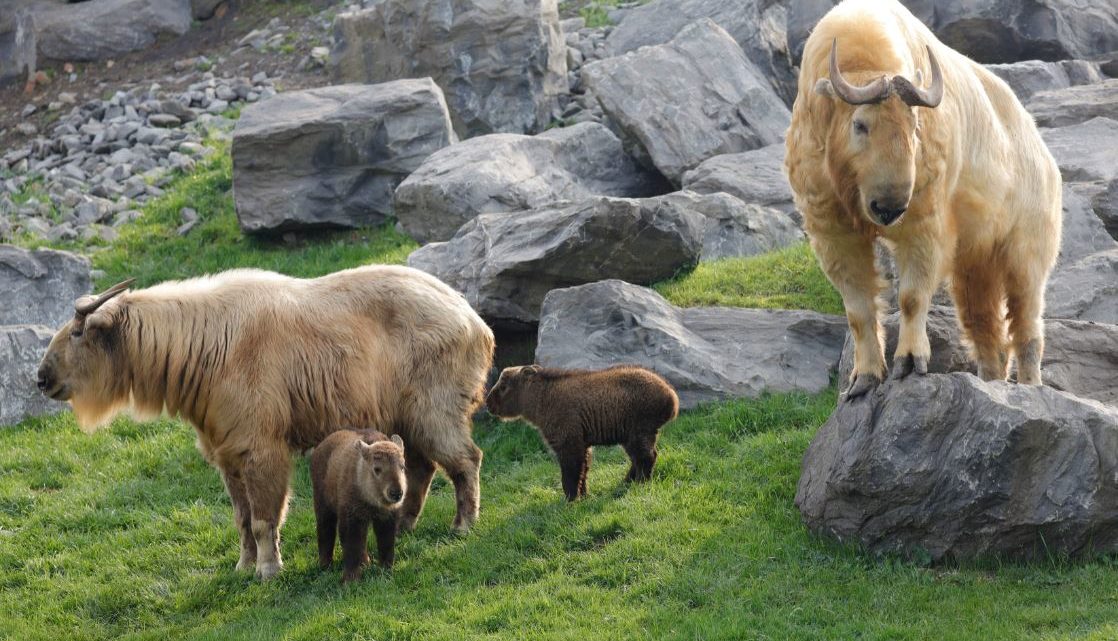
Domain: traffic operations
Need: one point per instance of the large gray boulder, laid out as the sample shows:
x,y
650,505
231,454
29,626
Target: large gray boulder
x,y
1085,290
707,354
945,466
734,228
333,156
755,176
758,26
40,286
1030,77
107,28
1080,357
672,102
1083,231
502,64
506,263
513,172
997,31
21,349
18,47
1105,204
1073,105
1085,152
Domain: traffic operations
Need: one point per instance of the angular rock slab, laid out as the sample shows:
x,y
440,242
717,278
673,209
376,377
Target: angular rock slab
x,y
1030,77
999,31
949,467
1080,357
759,27
107,28
1085,290
1085,152
506,263
708,354
755,176
333,156
1073,105
39,287
501,63
679,107
512,172
734,228
21,349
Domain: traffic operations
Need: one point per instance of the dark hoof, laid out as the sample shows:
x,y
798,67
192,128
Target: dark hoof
x,y
907,364
863,383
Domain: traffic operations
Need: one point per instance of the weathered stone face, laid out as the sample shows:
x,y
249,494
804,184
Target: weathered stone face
x,y
950,467
707,354
39,287
333,157
21,349
501,63
108,28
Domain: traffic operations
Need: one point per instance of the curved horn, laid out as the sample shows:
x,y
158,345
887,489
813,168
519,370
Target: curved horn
x,y
914,96
875,92
85,309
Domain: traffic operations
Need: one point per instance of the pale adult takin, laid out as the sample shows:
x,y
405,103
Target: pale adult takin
x,y
950,173
264,365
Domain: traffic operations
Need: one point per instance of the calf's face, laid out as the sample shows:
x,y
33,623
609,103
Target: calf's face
x,y
380,472
505,400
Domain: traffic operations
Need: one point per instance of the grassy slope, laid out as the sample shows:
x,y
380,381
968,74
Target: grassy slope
x,y
127,533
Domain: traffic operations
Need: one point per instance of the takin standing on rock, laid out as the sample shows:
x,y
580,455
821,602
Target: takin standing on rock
x,y
575,410
263,365
358,478
954,177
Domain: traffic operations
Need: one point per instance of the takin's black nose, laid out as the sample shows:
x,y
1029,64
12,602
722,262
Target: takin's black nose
x,y
395,495
887,212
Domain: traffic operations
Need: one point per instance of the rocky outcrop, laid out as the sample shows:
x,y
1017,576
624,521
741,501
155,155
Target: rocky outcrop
x,y
1086,289
1030,77
755,176
502,65
40,286
945,466
1073,105
673,104
734,228
1085,152
108,28
333,157
707,354
21,349
506,263
514,172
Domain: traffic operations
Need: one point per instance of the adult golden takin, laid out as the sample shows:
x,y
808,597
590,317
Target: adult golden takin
x,y
951,174
263,365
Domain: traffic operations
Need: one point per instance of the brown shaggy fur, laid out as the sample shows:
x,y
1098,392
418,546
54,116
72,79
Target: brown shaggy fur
x,y
574,410
263,365
358,479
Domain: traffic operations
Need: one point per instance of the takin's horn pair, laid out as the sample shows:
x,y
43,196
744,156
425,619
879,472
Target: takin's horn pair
x,y
81,310
879,89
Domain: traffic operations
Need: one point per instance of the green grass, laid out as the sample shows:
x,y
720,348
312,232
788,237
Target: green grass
x,y
787,279
128,534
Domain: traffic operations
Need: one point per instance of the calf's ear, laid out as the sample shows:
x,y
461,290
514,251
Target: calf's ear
x,y
398,441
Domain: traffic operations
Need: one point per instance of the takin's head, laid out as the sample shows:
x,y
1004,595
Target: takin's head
x,y
875,143
380,474
81,364
507,399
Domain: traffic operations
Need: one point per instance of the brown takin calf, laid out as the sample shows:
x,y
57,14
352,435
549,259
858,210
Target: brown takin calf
x,y
263,365
575,410
358,479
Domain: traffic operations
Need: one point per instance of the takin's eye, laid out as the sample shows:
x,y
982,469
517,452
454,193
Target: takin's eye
x,y
861,128
377,469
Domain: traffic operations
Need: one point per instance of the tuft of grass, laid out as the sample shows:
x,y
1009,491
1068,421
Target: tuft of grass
x,y
785,279
151,250
127,533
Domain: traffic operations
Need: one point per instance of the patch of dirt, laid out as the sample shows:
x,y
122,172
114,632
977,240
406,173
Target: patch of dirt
x,y
307,23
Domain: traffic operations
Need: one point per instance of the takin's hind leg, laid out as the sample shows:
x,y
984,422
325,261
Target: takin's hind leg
x,y
980,300
1025,306
420,471
242,515
267,474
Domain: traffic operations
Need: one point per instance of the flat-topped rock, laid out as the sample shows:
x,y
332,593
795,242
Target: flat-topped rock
x,y
39,287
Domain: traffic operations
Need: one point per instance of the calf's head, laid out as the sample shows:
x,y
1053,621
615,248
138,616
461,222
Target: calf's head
x,y
82,363
380,472
507,398
873,142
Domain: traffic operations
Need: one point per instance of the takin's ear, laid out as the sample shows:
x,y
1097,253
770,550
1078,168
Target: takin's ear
x,y
824,88
531,370
398,441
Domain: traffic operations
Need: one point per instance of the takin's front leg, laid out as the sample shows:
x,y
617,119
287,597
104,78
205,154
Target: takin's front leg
x,y
847,258
919,267
267,474
242,515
